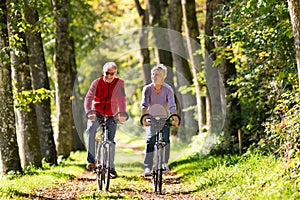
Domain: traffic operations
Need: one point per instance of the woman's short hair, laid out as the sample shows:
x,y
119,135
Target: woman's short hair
x,y
160,67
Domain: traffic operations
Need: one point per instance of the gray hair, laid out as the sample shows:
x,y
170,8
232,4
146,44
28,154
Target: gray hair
x,y
160,67
109,65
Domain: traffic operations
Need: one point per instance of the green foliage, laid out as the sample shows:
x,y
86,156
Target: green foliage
x,y
283,128
259,41
24,98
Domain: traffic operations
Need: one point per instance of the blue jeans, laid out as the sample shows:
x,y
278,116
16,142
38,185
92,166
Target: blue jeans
x,y
91,130
148,159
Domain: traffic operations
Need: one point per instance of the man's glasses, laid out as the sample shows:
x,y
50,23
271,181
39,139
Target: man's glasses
x,y
109,73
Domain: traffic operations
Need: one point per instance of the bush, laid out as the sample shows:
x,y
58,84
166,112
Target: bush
x,y
283,128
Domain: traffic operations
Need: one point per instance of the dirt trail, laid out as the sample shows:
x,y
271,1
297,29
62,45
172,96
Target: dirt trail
x,y
85,184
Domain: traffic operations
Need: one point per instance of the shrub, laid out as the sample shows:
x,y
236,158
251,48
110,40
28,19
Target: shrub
x,y
283,129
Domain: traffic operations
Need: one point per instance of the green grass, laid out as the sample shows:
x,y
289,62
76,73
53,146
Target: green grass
x,y
251,176
16,186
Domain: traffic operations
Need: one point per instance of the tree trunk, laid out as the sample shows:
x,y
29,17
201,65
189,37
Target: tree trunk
x,y
77,139
157,18
27,121
40,80
9,151
294,8
62,75
143,41
193,45
183,73
215,89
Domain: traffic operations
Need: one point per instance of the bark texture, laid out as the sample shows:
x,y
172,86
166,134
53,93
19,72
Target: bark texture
x,y
9,150
28,137
183,72
77,138
40,80
62,73
215,89
193,45
143,41
157,18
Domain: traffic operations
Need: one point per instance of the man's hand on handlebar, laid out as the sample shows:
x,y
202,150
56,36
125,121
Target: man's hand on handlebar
x,y
122,119
92,117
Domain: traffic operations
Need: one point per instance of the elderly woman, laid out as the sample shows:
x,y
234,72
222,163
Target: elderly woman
x,y
157,92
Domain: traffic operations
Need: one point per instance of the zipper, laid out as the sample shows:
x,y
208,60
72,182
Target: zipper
x,y
108,96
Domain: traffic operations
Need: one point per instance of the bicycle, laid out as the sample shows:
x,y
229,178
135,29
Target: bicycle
x,y
158,120
103,148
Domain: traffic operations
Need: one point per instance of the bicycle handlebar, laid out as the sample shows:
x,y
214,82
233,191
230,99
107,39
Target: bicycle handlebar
x,y
168,123
102,116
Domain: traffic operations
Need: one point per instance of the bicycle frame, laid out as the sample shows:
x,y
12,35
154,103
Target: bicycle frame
x,y
104,149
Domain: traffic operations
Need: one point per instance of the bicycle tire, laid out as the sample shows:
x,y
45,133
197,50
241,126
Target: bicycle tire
x,y
159,170
105,175
102,172
159,181
98,168
154,181
98,177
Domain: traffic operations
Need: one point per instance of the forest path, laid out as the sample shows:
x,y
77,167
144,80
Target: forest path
x,y
130,184
84,187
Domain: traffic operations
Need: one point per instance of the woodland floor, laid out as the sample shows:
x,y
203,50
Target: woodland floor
x,y
84,186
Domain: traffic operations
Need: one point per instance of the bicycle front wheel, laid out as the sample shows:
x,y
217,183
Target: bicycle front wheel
x,y
159,170
154,181
98,167
105,175
159,181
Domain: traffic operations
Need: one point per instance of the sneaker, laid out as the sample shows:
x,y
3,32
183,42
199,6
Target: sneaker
x,y
113,174
166,168
90,166
147,172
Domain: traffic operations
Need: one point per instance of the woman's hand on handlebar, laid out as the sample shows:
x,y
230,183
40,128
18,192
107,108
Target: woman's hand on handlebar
x,y
175,121
145,122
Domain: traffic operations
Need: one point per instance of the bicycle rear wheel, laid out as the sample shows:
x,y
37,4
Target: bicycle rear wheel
x,y
105,175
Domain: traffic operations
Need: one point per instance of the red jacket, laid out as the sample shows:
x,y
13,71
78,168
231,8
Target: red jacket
x,y
107,98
